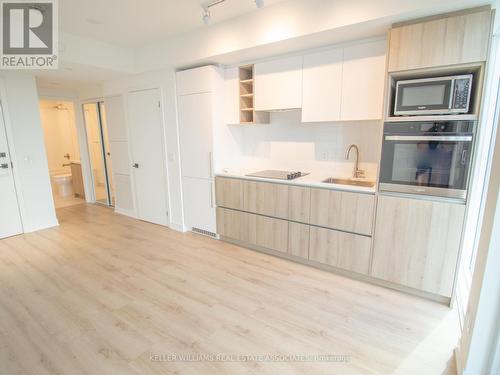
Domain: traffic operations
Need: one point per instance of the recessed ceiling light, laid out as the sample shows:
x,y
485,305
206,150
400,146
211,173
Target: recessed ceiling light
x,y
93,21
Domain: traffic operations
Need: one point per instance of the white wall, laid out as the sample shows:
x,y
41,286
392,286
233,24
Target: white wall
x,y
286,143
20,98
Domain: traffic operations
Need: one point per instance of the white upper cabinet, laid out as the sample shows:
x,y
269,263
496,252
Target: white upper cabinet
x,y
322,86
363,81
195,81
278,84
231,96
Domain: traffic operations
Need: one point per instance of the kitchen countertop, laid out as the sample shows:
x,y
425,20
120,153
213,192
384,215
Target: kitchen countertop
x,y
313,179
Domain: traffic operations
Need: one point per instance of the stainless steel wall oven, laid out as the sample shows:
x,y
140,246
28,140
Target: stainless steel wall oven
x,y
428,157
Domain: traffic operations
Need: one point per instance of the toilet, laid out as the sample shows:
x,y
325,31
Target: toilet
x,y
63,184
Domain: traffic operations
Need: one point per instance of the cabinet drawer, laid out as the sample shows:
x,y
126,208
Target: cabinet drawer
x,y
339,249
298,240
352,212
265,198
229,192
253,229
299,203
272,233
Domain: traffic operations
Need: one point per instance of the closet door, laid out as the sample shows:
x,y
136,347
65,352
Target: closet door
x,y
119,150
148,157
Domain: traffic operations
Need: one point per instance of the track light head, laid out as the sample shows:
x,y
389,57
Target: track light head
x,y
206,16
259,3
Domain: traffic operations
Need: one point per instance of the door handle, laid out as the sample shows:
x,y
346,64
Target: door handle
x,y
4,166
464,157
135,165
211,196
210,167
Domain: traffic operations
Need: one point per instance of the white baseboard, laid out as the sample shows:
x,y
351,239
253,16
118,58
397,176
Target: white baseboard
x,y
125,212
51,224
177,227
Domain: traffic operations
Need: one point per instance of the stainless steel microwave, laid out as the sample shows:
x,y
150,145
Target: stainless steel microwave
x,y
432,96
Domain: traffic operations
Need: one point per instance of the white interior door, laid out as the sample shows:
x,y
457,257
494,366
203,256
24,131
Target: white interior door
x,y
10,218
148,160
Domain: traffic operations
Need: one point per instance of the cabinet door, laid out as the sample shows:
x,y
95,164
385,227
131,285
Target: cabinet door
x,y
417,243
278,84
339,249
229,192
231,96
363,81
195,130
197,80
199,207
446,41
266,198
352,212
298,240
299,203
322,86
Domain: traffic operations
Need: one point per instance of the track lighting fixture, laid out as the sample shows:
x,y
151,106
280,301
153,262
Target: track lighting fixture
x,y
206,8
206,16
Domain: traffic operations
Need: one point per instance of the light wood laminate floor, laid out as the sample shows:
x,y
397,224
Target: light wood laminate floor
x,y
107,294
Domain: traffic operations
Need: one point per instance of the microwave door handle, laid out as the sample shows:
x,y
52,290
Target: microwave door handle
x,y
452,93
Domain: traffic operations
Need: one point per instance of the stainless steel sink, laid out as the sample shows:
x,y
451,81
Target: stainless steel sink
x,y
350,181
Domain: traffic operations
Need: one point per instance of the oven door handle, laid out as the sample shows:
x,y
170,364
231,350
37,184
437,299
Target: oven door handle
x,y
443,138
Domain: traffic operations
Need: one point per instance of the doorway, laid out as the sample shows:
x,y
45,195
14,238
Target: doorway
x,y
100,160
63,152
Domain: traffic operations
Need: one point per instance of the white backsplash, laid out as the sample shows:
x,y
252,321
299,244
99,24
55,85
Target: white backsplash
x,y
288,144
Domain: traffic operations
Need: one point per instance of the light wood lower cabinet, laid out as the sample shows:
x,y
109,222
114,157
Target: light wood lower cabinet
x,y
340,249
298,240
351,212
299,203
417,243
266,198
229,192
253,229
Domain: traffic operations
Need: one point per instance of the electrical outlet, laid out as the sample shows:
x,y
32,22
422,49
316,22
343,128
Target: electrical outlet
x,y
325,156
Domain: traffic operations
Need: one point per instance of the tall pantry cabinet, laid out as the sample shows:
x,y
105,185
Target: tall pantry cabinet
x,y
198,110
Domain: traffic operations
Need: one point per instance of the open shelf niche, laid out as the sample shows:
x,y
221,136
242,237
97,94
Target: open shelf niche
x,y
248,115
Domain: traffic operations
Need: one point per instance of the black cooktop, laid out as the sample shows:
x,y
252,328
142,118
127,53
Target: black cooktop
x,y
278,175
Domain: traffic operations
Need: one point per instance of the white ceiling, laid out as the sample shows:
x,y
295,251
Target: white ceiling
x,y
132,23
74,76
